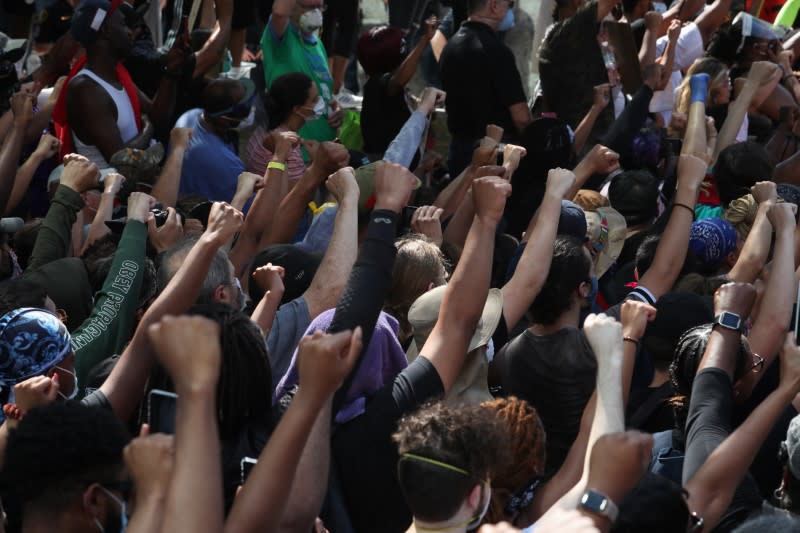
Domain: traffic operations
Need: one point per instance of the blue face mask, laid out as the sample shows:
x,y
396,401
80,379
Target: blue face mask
x,y
508,21
123,513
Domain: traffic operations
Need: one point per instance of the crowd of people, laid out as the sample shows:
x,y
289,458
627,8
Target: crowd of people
x,y
250,282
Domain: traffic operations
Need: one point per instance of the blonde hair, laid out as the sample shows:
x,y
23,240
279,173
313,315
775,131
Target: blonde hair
x,y
590,200
419,263
715,68
741,213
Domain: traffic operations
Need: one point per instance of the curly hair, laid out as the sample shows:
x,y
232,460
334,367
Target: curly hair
x,y
717,71
85,443
469,438
526,448
419,263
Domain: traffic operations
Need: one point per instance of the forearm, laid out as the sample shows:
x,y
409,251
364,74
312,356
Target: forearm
x,y
168,184
534,265
264,313
53,239
770,329
57,61
452,197
292,207
260,218
330,279
584,128
160,112
213,50
408,67
98,228
362,299
674,243
40,122
23,180
457,229
622,131
756,247
309,486
406,143
628,363
260,505
125,386
736,113
782,145
713,485
647,53
149,512
194,501
9,159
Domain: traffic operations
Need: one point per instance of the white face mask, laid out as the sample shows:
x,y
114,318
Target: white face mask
x,y
74,392
476,521
317,111
311,21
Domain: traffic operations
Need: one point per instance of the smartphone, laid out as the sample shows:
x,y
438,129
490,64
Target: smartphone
x,y
247,465
161,411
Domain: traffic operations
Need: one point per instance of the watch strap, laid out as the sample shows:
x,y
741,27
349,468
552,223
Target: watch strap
x,y
607,508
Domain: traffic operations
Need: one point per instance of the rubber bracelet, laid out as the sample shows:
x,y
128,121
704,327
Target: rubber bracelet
x,y
631,339
277,165
678,204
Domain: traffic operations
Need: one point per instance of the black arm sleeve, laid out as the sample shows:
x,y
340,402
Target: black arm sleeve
x,y
619,136
363,296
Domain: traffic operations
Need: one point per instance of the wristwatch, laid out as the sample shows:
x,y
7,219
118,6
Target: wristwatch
x,y
728,320
598,503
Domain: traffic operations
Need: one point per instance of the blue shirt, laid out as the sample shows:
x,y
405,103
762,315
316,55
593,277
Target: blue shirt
x,y
211,167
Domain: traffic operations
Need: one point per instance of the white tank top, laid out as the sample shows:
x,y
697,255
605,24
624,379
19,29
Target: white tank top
x,y
126,121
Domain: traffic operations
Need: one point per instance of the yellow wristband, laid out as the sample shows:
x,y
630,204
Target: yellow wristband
x,y
277,165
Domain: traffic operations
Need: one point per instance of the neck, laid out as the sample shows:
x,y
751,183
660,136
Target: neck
x,y
485,19
568,319
454,525
103,63
566,12
45,523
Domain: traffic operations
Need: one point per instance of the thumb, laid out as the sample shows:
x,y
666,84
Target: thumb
x,y
354,348
145,430
151,223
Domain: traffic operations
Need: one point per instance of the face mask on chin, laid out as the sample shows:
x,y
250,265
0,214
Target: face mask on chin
x,y
311,21
508,21
476,521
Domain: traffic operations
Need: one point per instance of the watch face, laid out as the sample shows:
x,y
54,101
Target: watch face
x,y
729,320
594,502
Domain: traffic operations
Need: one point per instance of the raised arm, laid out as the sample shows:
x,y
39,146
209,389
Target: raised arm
x,y
674,243
711,18
188,349
403,74
149,460
713,467
760,72
329,158
756,247
214,48
168,184
48,147
111,187
531,273
22,109
262,212
601,99
329,280
652,24
125,385
54,238
772,323
324,361
634,315
599,160
279,21
465,296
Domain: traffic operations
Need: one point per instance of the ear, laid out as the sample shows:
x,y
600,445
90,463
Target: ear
x,y
220,294
636,274
584,289
731,258
93,502
474,499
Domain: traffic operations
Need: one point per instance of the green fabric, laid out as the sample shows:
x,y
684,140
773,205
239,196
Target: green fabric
x,y
55,235
108,329
292,53
707,211
350,134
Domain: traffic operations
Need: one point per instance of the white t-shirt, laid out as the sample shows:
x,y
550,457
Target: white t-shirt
x,y
689,49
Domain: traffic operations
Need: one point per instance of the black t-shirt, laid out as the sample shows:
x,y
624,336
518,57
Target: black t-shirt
x,y
556,374
570,65
382,114
649,410
481,80
367,458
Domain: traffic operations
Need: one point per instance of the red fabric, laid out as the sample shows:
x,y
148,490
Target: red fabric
x,y
769,9
60,124
709,195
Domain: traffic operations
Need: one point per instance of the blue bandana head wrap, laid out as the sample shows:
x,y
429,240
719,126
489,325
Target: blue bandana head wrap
x,y
712,239
32,341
